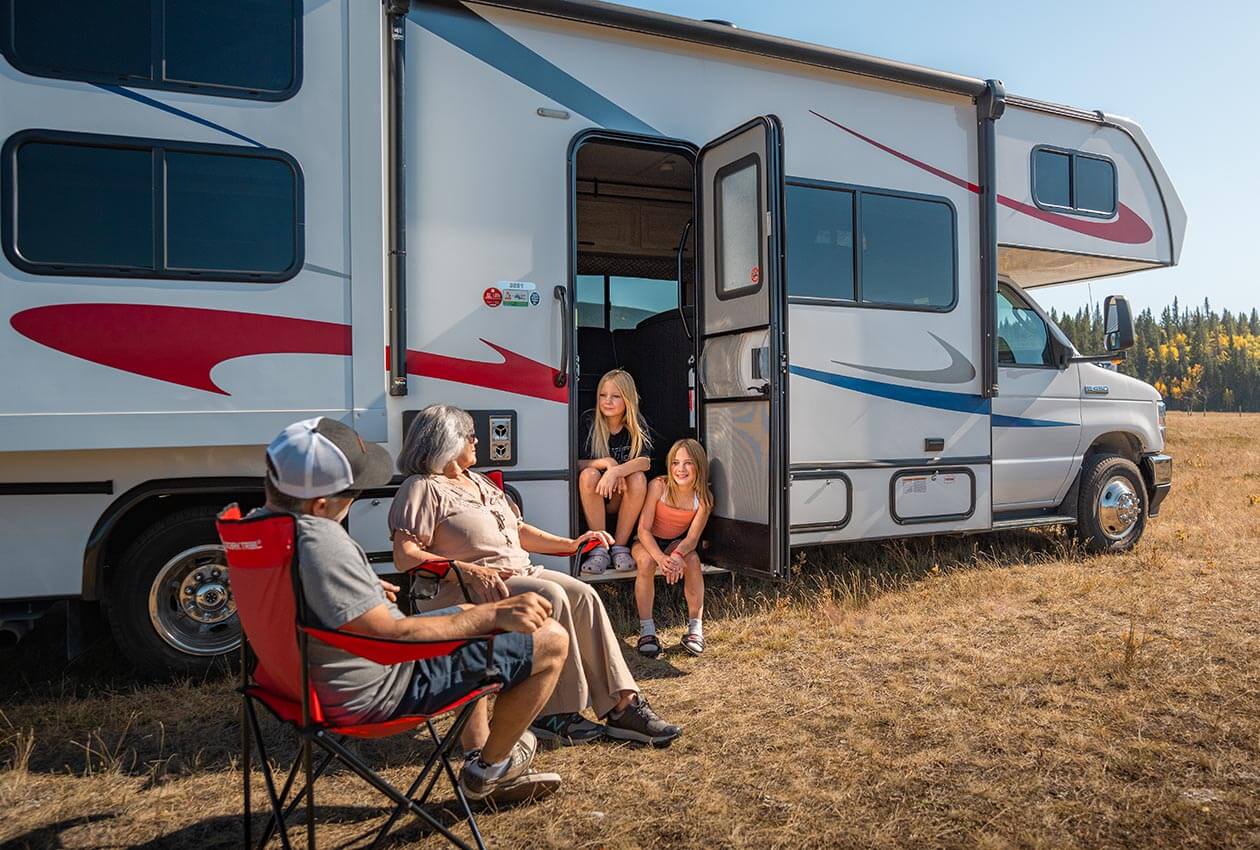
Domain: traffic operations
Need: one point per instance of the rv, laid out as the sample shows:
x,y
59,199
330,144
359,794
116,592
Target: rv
x,y
219,218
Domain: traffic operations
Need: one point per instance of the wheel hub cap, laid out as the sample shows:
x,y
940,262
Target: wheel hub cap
x,y
1119,508
191,605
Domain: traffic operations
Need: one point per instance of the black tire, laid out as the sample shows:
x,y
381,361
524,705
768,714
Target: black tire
x,y
183,545
1097,528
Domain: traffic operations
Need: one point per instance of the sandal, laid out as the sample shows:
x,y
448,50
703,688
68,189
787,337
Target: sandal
x,y
693,643
649,645
597,561
622,560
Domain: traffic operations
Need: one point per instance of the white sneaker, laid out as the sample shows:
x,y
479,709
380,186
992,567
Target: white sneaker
x,y
516,783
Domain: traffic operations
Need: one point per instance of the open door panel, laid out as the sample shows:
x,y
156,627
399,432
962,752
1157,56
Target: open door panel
x,y
742,346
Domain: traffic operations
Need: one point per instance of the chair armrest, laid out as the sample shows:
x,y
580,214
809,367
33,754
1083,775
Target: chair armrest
x,y
436,570
586,547
388,651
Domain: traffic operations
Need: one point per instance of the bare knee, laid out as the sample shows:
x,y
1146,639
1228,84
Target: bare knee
x,y
551,645
588,478
643,559
636,483
691,561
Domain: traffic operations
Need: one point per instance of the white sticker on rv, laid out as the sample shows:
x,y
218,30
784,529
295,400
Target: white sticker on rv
x,y
519,293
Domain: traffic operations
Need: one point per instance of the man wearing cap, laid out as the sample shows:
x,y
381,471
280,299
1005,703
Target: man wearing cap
x,y
315,469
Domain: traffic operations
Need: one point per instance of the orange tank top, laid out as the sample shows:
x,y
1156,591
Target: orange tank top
x,y
669,522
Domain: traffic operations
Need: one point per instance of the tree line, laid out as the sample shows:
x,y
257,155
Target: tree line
x,y
1198,359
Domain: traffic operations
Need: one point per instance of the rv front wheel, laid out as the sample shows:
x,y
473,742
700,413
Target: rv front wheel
x,y
169,604
1111,514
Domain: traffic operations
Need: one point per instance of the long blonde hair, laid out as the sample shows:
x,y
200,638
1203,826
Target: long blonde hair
x,y
701,460
640,442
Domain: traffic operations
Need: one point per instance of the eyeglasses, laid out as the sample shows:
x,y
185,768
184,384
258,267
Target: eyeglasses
x,y
471,436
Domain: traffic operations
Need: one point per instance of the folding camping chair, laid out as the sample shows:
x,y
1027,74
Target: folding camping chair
x,y
267,587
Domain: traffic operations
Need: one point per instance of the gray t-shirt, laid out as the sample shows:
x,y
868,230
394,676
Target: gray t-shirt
x,y
339,585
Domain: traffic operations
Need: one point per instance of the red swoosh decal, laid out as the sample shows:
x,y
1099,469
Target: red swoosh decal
x,y
181,345
1128,227
516,374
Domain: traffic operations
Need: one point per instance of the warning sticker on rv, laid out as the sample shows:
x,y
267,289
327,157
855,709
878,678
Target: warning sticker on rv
x,y
516,293
493,296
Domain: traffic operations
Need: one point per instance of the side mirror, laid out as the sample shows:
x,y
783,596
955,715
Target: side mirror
x,y
1117,323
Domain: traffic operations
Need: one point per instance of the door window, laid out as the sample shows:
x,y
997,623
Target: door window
x,y
1023,338
739,238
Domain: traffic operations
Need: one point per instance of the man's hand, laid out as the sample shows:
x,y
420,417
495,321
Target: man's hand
x,y
391,590
485,584
525,613
603,537
609,483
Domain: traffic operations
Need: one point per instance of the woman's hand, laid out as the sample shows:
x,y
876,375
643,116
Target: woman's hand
x,y
604,538
609,483
485,584
672,567
391,590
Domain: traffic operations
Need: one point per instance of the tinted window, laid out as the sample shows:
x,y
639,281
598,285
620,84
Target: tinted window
x,y
246,44
635,298
590,300
738,227
1023,339
81,206
1094,181
820,242
96,39
1074,181
907,251
229,212
240,48
1052,180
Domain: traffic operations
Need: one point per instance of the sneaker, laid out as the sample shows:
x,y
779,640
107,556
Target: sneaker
x,y
640,723
564,730
596,561
516,783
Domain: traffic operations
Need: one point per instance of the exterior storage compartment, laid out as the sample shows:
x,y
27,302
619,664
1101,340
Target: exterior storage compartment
x,y
932,495
820,500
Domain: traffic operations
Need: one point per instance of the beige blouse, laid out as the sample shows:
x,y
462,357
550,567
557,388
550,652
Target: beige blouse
x,y
447,520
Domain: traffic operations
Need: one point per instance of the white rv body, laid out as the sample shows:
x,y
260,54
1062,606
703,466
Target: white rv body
x,y
101,429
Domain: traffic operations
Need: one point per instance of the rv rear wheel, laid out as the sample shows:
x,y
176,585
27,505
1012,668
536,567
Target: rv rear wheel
x,y
1111,513
169,604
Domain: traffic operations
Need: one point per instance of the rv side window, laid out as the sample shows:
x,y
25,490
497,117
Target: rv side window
x,y
236,48
1023,338
739,227
633,299
117,207
904,255
590,301
820,242
1073,181
907,257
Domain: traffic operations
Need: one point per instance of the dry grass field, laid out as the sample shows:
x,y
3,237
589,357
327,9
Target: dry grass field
x,y
988,692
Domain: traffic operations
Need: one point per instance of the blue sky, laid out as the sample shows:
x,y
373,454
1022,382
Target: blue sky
x,y
1185,71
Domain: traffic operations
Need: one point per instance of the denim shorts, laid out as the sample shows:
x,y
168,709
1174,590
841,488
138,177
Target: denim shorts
x,y
438,682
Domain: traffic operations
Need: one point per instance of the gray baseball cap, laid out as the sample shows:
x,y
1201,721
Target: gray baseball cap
x,y
322,457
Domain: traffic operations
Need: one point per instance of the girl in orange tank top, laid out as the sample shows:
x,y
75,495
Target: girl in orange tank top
x,y
674,515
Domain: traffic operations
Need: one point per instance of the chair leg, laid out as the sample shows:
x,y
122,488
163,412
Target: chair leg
x,y
246,747
369,776
310,793
291,803
268,779
441,746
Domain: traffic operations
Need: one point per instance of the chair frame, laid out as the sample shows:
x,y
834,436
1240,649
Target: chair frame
x,y
325,736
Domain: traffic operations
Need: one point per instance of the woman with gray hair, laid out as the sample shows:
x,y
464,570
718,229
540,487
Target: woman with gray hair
x,y
444,510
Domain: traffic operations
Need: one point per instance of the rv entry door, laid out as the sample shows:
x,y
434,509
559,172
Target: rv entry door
x,y
742,346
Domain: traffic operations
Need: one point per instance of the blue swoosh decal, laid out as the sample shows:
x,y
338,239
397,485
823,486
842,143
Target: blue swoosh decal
x,y
157,104
473,34
938,399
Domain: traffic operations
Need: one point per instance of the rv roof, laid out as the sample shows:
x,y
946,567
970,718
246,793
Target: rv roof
x,y
704,32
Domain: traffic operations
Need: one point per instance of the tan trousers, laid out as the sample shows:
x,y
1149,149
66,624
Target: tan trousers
x,y
595,673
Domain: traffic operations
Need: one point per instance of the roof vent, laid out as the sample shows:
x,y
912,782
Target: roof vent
x,y
720,23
